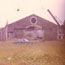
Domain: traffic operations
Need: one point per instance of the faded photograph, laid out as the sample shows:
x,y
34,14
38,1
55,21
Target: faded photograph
x,y
32,32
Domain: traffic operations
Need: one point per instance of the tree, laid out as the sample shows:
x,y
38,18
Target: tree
x,y
64,28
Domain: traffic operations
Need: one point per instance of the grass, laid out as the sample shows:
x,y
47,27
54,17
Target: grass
x,y
43,53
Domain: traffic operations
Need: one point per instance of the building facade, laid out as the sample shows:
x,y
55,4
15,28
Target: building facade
x,y
33,27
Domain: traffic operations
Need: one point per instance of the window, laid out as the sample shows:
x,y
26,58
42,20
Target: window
x,y
60,34
33,20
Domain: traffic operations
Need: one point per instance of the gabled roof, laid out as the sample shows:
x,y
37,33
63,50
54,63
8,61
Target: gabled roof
x,y
22,23
31,16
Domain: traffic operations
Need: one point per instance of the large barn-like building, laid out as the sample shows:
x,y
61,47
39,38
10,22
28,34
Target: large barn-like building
x,y
33,27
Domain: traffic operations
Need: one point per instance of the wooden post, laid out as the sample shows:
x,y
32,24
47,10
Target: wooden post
x,y
6,31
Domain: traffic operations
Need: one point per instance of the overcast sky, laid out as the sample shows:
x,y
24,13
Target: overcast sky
x,y
8,9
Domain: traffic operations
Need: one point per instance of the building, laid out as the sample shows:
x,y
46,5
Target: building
x,y
33,27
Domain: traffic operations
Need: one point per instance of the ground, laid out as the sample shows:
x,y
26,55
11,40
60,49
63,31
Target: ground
x,y
41,53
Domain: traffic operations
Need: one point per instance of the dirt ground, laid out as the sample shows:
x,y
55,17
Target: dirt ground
x,y
41,53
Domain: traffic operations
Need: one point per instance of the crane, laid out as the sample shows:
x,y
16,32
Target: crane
x,y
60,28
53,17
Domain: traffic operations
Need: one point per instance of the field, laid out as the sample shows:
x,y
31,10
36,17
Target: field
x,y
41,53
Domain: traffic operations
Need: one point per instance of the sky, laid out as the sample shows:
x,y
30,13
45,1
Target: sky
x,y
8,10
